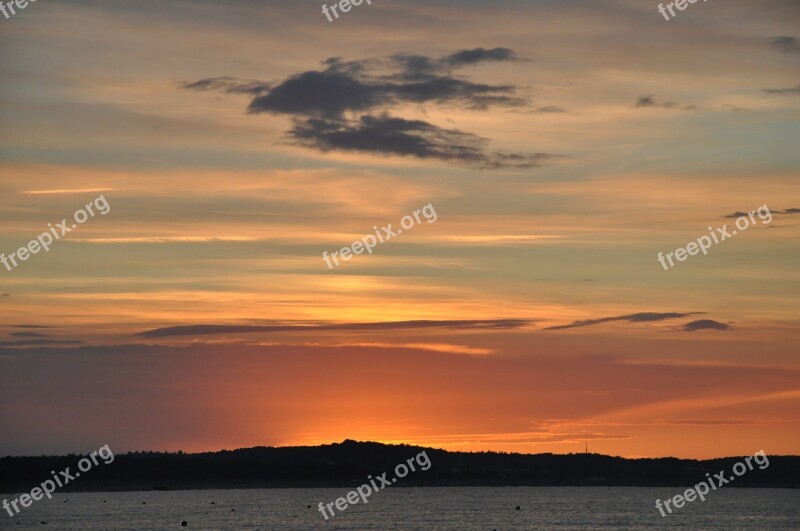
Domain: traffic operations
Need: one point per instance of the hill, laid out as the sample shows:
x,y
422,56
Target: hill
x,y
349,463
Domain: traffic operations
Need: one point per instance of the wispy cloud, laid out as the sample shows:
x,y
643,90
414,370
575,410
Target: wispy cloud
x,y
66,191
433,347
739,214
37,343
786,44
192,330
168,239
650,101
229,85
500,238
643,317
784,91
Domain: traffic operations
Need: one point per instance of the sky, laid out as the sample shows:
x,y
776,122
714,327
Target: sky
x,y
554,148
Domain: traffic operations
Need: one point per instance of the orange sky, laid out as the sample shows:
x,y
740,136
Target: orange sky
x,y
563,144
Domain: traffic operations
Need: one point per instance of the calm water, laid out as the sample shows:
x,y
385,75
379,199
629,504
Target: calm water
x,y
413,508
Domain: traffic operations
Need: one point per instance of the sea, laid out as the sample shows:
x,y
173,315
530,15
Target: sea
x,y
458,508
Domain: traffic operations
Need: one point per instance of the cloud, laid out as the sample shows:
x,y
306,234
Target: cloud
x,y
786,44
327,93
791,90
168,239
646,101
228,85
496,324
499,239
36,343
447,348
739,214
345,106
705,324
361,85
477,55
76,191
734,108
433,347
27,334
641,317
389,135
416,67
650,101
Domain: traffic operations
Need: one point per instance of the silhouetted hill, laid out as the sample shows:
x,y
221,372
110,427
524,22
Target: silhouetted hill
x,y
348,464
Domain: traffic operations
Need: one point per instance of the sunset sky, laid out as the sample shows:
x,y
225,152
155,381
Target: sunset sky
x,y
563,145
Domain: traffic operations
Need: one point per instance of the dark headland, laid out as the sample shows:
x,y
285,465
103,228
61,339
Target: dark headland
x,y
348,463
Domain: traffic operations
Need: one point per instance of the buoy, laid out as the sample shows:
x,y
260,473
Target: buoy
x,y
183,523
518,507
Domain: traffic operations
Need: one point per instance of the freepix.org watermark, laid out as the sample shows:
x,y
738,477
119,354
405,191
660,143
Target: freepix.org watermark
x,y
679,4
45,239
9,6
59,480
344,7
701,489
719,235
386,233
365,491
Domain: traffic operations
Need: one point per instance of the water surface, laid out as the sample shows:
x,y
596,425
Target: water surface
x,y
413,508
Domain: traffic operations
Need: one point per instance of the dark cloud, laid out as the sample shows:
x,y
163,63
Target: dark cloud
x,y
738,214
396,136
327,93
27,334
444,89
346,106
786,44
791,90
650,101
646,101
543,110
497,324
348,86
705,324
229,85
641,317
414,67
30,326
477,55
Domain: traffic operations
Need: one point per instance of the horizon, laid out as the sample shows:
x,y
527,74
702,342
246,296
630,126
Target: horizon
x,y
556,223
335,443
